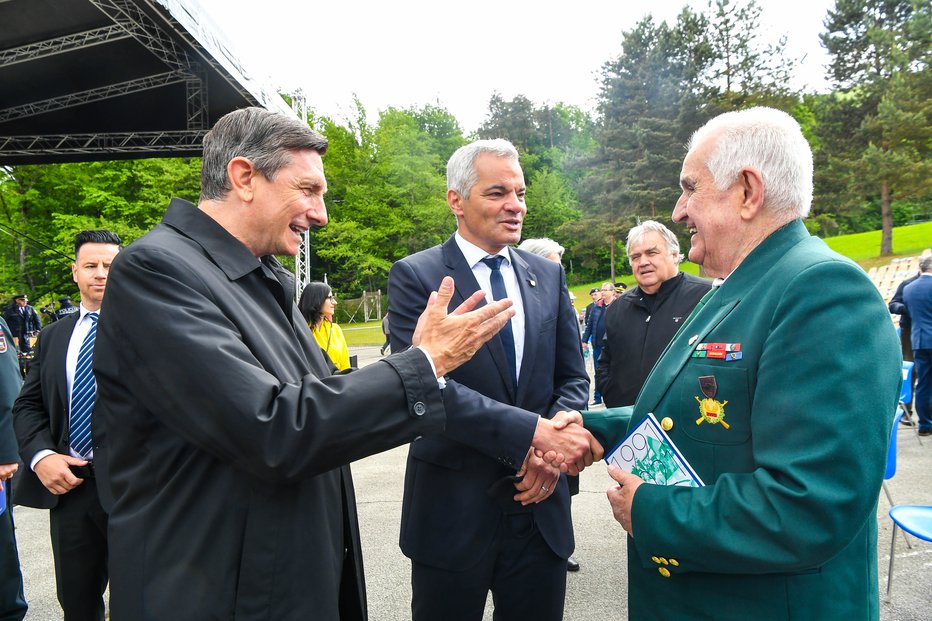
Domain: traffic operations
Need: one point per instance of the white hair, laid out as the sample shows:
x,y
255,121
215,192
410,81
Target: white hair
x,y
768,140
637,234
543,246
461,168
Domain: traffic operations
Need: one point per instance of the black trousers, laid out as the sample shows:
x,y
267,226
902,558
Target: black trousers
x,y
527,580
78,526
12,602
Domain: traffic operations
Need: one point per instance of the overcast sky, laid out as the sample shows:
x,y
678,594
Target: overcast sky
x,y
413,52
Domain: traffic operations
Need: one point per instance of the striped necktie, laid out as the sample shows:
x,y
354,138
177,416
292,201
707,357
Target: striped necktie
x,y
83,393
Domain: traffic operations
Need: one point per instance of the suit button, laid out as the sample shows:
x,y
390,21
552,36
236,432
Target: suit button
x,y
664,572
419,408
418,438
667,423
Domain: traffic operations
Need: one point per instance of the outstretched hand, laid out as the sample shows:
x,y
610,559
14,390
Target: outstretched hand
x,y
451,339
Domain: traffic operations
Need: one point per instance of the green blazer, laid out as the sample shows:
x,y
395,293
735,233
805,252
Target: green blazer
x,y
785,527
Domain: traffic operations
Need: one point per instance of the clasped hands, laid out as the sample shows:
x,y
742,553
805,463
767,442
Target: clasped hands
x,y
560,444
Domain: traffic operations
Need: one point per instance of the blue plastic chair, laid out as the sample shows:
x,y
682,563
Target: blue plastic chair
x,y
906,392
906,396
891,456
913,519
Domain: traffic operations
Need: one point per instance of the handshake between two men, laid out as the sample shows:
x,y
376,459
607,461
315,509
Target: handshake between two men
x,y
560,444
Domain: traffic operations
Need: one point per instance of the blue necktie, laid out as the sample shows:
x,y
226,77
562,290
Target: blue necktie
x,y
83,392
499,293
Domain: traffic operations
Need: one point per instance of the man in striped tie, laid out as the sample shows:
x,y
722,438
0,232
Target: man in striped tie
x,y
52,418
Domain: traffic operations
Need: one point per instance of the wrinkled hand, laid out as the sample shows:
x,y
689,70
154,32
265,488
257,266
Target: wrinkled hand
x,y
539,482
452,339
54,474
566,444
6,472
621,496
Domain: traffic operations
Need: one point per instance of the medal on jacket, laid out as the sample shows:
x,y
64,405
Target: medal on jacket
x,y
712,411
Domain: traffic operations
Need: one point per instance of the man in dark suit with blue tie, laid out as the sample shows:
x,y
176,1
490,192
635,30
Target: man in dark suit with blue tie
x,y
917,296
52,418
481,511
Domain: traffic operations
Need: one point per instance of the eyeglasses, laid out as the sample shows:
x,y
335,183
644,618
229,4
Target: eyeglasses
x,y
332,298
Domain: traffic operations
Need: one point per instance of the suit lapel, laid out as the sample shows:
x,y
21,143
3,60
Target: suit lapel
x,y
533,318
58,352
465,284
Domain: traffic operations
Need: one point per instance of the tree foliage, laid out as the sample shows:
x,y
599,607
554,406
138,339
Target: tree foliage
x,y
590,176
876,124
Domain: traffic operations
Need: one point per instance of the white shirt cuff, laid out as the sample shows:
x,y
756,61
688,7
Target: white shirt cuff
x,y
441,382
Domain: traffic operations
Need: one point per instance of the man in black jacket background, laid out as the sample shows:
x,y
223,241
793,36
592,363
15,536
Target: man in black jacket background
x,y
641,322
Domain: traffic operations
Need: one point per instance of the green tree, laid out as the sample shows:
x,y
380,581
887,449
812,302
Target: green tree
x,y
43,206
387,194
648,107
880,53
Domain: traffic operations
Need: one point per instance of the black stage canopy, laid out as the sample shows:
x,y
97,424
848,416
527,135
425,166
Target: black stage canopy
x,y
88,80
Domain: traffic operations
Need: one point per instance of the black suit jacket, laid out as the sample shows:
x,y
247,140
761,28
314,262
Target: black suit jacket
x,y
456,485
226,436
40,414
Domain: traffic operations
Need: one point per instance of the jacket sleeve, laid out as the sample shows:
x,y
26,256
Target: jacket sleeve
x,y
170,354
10,383
30,412
570,378
587,333
896,305
501,431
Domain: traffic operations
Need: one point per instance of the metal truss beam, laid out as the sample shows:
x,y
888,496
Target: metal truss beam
x,y
102,143
141,27
196,98
95,94
61,45
127,15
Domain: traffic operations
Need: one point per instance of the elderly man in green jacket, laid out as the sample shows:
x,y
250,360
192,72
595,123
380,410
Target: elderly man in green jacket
x,y
779,390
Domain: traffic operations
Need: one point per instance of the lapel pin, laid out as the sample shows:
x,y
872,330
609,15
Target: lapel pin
x,y
693,338
531,282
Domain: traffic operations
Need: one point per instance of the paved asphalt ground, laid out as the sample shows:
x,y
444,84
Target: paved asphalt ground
x,y
596,593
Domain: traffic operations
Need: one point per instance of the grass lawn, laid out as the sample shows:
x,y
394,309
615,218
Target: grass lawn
x,y
369,333
864,247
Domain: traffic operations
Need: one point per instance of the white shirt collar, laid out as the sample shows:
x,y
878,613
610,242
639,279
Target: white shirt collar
x,y
83,313
474,253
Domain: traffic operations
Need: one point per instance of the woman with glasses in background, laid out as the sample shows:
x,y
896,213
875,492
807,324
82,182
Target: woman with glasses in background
x,y
317,305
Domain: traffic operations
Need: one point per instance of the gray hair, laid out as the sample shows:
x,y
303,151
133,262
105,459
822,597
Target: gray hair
x,y
461,168
543,246
265,138
925,264
770,141
636,235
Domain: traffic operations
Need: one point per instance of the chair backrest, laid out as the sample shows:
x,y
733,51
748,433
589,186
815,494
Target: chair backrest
x,y
891,450
906,392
